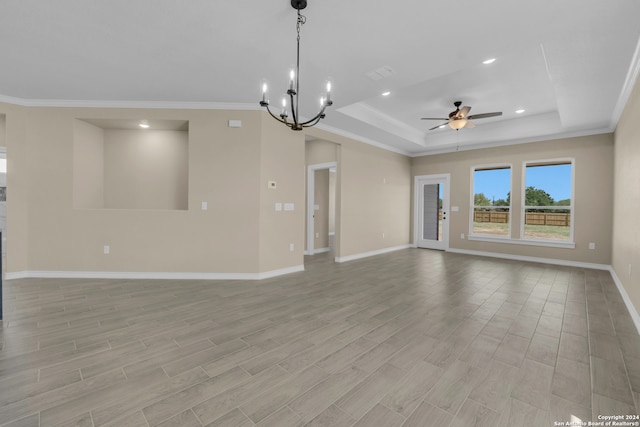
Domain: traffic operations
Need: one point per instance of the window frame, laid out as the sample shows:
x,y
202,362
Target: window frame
x,y
570,243
488,237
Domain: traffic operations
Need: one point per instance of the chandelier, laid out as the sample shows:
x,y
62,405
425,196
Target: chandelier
x,y
294,87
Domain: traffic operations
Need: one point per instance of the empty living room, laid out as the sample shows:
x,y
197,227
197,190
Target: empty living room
x,y
312,213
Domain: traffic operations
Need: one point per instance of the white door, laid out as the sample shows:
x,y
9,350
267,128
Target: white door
x,y
432,212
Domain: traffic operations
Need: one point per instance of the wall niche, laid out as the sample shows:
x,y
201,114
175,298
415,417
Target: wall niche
x,y
118,165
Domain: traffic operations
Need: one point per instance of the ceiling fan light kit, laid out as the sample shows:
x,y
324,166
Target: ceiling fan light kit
x,y
459,119
458,124
294,87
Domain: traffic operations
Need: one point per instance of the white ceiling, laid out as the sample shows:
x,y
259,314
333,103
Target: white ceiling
x,y
569,63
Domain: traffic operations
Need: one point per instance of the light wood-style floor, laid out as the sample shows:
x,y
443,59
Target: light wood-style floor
x,y
411,338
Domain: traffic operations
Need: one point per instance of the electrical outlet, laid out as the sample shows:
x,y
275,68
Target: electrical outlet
x,y
291,247
106,249
317,235
462,236
383,235
592,245
205,206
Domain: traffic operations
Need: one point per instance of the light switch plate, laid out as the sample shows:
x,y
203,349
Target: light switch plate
x,y
288,206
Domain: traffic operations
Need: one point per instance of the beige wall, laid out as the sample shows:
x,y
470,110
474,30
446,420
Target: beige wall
x,y
593,193
146,169
626,203
52,228
372,196
88,166
320,151
241,232
282,160
227,167
3,130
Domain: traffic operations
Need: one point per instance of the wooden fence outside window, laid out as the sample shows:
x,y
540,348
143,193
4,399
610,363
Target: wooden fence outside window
x,y
530,218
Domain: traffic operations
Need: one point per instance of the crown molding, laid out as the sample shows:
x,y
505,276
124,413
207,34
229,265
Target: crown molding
x,y
362,139
627,87
167,105
506,143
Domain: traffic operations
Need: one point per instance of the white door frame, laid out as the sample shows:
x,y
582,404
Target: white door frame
x,y
311,190
417,197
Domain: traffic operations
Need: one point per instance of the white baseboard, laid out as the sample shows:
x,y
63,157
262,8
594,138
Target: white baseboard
x,y
627,301
320,250
54,274
553,261
372,253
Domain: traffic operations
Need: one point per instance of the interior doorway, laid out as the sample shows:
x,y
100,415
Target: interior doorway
x,y
431,201
321,208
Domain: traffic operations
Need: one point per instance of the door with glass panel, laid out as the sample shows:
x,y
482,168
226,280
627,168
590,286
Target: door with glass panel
x,y
431,222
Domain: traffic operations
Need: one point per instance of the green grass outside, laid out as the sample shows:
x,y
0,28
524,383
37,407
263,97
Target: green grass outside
x,y
550,232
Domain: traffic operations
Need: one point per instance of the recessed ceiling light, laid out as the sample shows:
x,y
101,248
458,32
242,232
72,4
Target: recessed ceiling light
x,y
387,93
489,61
520,111
144,125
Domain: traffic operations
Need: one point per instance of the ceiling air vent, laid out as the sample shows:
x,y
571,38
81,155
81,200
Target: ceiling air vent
x,y
381,73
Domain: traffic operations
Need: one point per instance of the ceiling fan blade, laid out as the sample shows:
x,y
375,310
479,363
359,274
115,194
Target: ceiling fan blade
x,y
439,126
464,111
469,125
485,115
433,118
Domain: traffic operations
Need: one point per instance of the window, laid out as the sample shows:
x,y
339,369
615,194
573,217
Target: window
x,y
548,201
491,202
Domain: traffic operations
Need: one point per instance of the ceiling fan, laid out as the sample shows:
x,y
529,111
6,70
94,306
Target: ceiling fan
x,y
458,119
